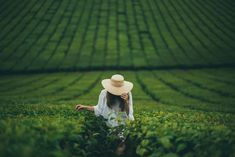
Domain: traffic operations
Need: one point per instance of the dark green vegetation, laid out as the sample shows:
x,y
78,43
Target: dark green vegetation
x,y
88,34
180,55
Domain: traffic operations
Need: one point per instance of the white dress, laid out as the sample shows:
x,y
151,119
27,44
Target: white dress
x,y
114,116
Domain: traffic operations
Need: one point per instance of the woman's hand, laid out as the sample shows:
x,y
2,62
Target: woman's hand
x,y
80,107
125,97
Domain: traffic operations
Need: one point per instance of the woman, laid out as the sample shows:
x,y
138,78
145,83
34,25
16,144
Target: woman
x,y
115,104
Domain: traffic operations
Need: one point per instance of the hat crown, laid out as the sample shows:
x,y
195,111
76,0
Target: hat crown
x,y
117,80
117,77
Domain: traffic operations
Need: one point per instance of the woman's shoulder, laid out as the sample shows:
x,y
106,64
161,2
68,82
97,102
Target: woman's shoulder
x,y
103,92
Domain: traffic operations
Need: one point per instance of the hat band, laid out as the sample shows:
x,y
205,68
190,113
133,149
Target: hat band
x,y
117,83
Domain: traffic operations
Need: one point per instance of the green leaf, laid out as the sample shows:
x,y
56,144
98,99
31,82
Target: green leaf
x,y
165,141
171,155
181,147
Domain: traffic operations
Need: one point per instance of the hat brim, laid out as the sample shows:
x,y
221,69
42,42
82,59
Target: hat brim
x,y
127,87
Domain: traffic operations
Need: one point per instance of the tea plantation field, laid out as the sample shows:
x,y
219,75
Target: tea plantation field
x,y
180,55
50,35
177,112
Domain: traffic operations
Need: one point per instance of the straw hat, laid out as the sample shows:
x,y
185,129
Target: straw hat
x,y
117,85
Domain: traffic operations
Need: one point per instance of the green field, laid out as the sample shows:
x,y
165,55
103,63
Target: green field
x,y
180,55
90,34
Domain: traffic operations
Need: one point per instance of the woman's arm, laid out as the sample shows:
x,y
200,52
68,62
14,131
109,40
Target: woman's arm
x,y
97,109
128,104
82,107
125,97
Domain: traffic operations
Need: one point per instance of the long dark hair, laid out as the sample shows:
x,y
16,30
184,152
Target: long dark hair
x,y
111,100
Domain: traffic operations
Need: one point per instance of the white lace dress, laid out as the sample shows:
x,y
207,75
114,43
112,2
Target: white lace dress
x,y
114,116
